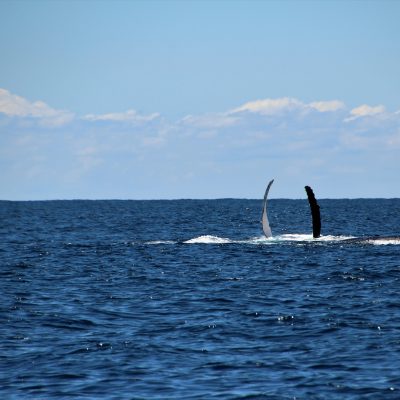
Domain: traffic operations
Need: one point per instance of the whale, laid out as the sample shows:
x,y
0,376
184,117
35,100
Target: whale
x,y
316,220
316,223
264,216
315,212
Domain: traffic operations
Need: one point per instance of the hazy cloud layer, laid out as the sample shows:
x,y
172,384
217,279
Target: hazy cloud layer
x,y
17,106
286,104
127,116
227,154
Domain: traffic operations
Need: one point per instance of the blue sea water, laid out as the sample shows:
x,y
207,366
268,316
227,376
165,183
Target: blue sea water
x,y
185,299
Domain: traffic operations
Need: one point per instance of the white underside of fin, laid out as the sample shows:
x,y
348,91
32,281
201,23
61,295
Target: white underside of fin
x,y
264,219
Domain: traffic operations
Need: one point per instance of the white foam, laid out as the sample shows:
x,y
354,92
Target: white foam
x,y
160,242
301,237
262,240
333,238
288,238
259,240
294,237
209,239
383,242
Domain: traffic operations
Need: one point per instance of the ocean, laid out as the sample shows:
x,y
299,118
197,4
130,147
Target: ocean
x,y
185,299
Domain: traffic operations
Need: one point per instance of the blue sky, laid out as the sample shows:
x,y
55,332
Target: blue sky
x,y
201,99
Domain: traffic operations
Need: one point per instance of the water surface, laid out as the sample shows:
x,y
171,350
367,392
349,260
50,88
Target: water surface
x,y
185,299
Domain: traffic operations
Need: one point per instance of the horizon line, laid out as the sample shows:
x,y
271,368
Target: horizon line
x,y
196,199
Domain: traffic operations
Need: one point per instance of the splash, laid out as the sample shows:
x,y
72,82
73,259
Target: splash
x,y
298,238
384,242
262,240
209,239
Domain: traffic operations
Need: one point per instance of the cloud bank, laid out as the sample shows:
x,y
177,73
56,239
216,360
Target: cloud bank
x,y
344,151
365,111
17,106
287,104
127,116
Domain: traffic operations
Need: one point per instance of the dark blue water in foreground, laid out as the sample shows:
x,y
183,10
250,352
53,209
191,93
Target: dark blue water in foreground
x,y
186,300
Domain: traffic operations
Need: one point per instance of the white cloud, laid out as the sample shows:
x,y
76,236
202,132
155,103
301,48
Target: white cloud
x,y
327,106
127,116
365,111
17,106
209,120
284,137
269,106
287,104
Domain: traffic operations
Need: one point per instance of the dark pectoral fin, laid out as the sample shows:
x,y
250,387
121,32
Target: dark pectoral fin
x,y
315,212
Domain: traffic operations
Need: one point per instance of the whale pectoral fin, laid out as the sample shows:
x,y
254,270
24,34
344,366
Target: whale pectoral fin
x,y
315,212
264,217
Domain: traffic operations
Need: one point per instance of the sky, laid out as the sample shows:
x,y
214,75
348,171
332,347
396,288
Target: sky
x,y
199,99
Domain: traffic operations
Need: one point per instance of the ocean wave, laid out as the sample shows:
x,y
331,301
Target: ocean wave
x,y
293,237
160,242
299,237
279,239
209,239
384,242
